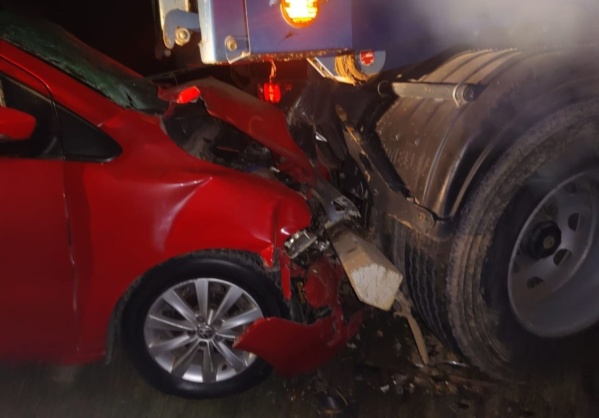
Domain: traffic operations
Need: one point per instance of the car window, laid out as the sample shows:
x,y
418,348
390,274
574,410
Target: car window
x,y
58,133
44,141
82,141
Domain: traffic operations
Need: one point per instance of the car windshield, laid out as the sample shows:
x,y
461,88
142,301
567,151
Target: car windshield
x,y
54,45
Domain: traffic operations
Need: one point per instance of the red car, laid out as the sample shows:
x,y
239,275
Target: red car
x,y
167,218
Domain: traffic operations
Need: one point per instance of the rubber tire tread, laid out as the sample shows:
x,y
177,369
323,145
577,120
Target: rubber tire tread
x,y
435,271
424,279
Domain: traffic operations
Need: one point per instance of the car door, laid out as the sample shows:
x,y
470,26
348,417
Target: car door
x,y
37,305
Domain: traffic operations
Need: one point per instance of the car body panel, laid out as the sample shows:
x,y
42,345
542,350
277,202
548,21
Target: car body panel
x,y
88,103
37,298
191,212
293,348
152,203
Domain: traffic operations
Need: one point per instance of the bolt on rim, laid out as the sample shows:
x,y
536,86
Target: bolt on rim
x,y
190,330
553,281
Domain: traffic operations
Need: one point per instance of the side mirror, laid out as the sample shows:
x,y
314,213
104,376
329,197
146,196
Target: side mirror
x,y
15,125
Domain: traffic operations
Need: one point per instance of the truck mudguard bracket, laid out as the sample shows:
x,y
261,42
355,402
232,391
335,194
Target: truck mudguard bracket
x,y
388,193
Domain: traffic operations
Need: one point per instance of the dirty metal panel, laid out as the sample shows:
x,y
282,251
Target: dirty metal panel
x,y
269,32
374,278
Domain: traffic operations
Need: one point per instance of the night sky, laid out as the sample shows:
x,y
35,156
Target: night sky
x,y
122,29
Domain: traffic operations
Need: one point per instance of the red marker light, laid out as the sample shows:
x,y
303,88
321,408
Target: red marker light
x,y
188,95
367,58
271,92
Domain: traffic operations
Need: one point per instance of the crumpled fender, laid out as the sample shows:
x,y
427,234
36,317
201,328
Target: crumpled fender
x,y
271,214
262,121
293,348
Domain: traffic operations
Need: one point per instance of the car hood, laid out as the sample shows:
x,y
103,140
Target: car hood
x,y
262,121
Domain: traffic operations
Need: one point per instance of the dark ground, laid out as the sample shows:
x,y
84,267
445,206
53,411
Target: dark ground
x,y
375,376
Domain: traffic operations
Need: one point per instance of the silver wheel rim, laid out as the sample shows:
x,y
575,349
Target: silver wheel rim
x,y
553,279
190,329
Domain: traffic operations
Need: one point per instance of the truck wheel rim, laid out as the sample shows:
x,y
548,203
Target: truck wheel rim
x,y
553,279
190,330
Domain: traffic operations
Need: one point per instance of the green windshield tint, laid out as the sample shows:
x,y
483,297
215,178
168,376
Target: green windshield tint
x,y
54,45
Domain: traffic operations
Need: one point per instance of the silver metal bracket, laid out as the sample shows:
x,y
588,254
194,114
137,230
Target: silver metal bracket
x,y
236,48
299,243
460,94
177,25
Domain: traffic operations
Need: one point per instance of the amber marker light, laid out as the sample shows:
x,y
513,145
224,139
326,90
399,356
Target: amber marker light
x,y
300,13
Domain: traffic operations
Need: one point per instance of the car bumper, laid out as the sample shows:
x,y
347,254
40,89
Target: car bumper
x,y
293,348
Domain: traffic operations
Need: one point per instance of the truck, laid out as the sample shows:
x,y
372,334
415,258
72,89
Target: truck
x,y
465,135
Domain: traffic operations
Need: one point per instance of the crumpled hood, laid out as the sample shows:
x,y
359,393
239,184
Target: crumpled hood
x,y
263,122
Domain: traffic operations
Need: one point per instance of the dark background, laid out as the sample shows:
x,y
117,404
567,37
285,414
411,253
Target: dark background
x,y
126,31
122,29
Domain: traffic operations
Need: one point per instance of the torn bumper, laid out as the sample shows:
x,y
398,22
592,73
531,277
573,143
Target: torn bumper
x,y
293,348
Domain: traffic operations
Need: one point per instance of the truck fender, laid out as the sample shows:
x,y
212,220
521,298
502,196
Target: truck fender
x,y
441,150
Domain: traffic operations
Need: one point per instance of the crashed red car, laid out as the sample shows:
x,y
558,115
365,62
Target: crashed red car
x,y
186,222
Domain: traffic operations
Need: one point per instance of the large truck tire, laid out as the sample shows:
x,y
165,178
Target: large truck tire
x,y
518,280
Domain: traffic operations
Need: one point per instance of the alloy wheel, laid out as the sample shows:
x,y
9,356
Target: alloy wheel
x,y
190,329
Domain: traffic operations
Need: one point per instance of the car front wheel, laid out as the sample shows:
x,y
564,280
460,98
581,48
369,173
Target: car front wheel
x,y
180,324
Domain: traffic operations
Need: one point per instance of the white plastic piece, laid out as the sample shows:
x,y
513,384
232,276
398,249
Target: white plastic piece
x,y
374,278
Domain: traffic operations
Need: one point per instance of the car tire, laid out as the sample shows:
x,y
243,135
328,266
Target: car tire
x,y
179,324
473,290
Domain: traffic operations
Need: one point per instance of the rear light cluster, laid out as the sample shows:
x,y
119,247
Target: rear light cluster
x,y
300,13
273,92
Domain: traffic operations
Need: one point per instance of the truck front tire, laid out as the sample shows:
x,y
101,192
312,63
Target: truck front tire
x,y
519,279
